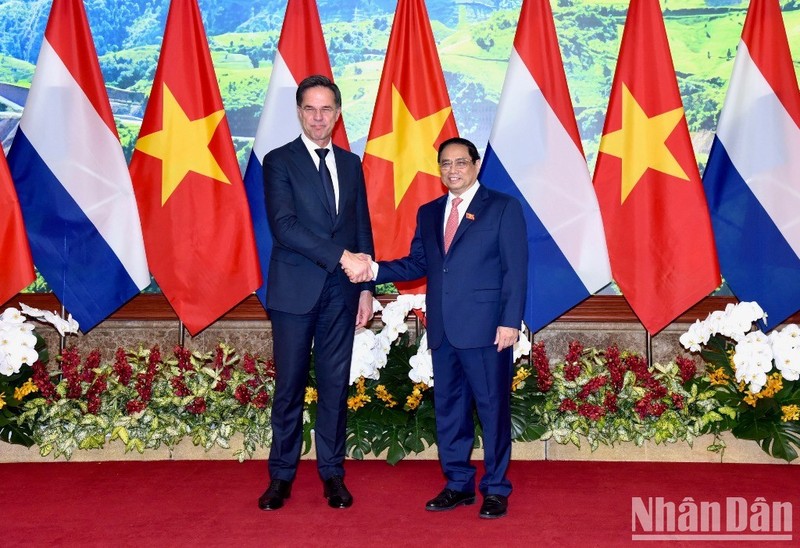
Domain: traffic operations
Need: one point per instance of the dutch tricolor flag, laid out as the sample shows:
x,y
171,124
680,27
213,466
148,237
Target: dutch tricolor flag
x,y
71,177
301,53
752,180
535,154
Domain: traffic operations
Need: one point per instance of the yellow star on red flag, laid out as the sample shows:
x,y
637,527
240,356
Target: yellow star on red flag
x,y
641,143
182,145
410,145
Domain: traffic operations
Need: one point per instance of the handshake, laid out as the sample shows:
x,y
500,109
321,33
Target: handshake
x,y
357,266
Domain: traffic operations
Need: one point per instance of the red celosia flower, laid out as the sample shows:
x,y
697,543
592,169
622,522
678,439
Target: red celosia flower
x,y
593,385
567,405
261,399
198,406
677,401
41,378
269,368
122,368
249,364
184,357
135,406
616,369
154,359
610,402
92,362
218,358
544,377
574,352
688,369
242,394
70,360
593,412
179,386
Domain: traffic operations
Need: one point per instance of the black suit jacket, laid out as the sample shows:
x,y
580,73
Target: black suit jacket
x,y
306,245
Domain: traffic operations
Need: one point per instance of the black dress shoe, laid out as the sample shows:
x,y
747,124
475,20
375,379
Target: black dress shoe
x,y
337,494
276,493
494,506
449,499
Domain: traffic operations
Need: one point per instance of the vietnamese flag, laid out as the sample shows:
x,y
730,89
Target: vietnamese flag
x,y
196,222
412,116
17,272
656,219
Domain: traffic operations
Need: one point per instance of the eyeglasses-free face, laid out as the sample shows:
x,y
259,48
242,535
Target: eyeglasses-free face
x,y
318,114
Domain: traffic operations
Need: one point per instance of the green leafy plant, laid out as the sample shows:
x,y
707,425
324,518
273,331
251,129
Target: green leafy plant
x,y
754,376
146,400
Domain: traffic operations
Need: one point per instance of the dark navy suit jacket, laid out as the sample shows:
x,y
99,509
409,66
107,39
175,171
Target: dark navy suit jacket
x,y
306,245
481,283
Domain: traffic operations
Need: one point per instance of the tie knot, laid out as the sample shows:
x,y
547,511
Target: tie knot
x,y
457,201
321,152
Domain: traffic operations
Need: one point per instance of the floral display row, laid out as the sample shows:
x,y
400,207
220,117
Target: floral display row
x,y
146,398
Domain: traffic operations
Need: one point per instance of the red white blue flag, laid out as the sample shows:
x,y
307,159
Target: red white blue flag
x,y
301,52
752,179
72,179
539,159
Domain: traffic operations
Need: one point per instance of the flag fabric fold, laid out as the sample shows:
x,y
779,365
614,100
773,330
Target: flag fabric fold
x,y
17,263
301,53
72,180
655,215
191,198
412,116
538,158
752,178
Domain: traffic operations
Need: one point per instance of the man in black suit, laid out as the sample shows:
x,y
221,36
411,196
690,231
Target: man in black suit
x,y
471,244
317,211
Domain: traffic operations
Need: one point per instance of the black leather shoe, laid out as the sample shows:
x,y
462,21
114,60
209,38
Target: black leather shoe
x,y
276,493
494,506
449,499
337,494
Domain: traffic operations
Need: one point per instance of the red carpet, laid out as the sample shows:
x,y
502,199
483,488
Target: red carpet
x,y
213,503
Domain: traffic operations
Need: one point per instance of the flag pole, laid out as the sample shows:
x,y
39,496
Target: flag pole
x,y
181,334
649,348
62,341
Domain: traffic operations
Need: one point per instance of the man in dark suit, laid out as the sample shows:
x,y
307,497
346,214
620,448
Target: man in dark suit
x,y
317,211
472,246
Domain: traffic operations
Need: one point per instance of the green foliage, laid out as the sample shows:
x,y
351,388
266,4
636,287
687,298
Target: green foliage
x,y
759,417
205,397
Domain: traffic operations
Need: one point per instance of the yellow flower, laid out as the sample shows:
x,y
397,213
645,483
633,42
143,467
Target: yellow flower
x,y
2,400
790,413
519,378
311,394
385,396
774,385
415,398
25,389
357,402
718,376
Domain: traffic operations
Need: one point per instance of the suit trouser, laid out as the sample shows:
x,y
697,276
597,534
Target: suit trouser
x,y
330,325
467,379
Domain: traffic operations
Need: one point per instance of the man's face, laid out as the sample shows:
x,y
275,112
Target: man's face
x,y
318,114
458,170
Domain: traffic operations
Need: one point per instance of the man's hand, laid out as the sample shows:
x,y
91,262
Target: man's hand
x,y
506,337
357,266
364,313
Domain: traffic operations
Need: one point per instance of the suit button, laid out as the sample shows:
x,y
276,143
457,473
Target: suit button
x,y
444,270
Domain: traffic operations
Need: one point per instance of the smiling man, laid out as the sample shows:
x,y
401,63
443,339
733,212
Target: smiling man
x,y
472,246
317,211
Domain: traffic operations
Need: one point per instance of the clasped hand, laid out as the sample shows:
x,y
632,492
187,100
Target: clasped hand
x,y
357,266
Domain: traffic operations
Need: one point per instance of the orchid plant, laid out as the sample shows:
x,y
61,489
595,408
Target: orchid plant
x,y
754,374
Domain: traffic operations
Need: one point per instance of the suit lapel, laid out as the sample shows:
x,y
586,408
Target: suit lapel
x,y
346,190
438,219
473,211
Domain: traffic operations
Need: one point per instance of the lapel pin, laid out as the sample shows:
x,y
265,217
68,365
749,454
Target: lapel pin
x,y
470,216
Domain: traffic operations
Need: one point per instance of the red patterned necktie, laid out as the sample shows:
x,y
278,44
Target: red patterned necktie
x,y
451,225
